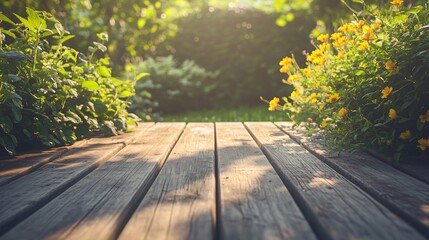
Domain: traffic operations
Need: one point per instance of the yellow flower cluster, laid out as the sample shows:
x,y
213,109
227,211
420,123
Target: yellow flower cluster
x,y
423,143
397,2
285,64
343,112
392,113
391,67
273,104
333,98
386,92
425,117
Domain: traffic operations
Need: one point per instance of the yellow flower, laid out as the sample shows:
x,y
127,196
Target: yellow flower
x,y
391,67
313,98
284,69
343,112
386,92
324,47
323,37
346,28
368,34
339,42
323,124
423,143
363,46
375,26
321,107
360,24
333,98
295,94
406,135
396,2
392,113
273,104
335,36
425,117
341,54
307,72
291,79
287,61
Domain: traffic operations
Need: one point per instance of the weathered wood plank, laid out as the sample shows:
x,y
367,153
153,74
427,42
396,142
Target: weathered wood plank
x,y
418,168
21,197
181,202
405,195
254,202
97,205
335,207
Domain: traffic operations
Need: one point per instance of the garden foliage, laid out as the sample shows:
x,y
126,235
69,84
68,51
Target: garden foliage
x,y
51,93
366,85
173,87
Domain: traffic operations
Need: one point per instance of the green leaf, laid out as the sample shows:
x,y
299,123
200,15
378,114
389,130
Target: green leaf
x,y
16,114
8,143
73,117
100,107
16,100
103,71
90,85
6,19
35,20
48,140
120,124
108,128
100,46
142,75
125,94
6,124
66,38
15,56
14,78
103,36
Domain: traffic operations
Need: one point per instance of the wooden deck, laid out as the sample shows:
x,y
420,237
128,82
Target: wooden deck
x,y
209,181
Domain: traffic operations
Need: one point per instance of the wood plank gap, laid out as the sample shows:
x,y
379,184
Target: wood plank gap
x,y
409,209
138,197
17,207
217,220
310,216
337,206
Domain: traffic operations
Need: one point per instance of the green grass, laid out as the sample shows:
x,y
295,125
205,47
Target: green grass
x,y
240,114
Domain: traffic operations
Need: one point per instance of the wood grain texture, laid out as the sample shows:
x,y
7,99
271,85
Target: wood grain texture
x,y
95,207
180,204
405,195
335,207
254,202
21,197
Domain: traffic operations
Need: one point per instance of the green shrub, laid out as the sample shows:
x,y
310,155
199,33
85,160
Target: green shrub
x,y
176,88
51,93
367,84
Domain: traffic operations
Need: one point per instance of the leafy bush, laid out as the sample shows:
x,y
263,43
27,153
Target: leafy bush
x,y
175,87
52,94
366,85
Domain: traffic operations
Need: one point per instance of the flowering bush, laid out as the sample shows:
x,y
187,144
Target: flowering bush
x,y
366,85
